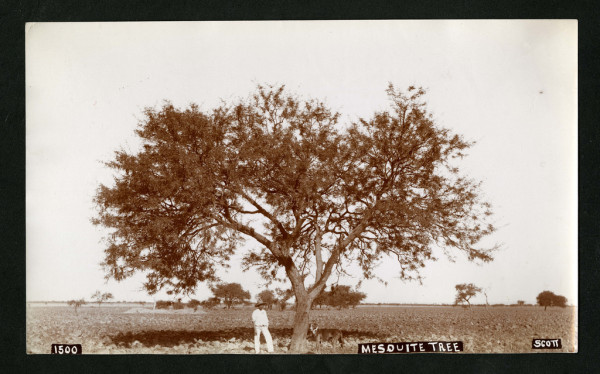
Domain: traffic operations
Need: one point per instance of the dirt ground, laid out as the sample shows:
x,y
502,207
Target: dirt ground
x,y
131,330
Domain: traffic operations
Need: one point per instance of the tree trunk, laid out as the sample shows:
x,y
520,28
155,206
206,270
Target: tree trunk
x,y
318,256
298,343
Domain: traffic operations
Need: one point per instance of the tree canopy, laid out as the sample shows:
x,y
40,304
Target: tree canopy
x,y
101,297
314,194
76,303
465,291
268,297
230,293
548,298
340,296
210,303
283,295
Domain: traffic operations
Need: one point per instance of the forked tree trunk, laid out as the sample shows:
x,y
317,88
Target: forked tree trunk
x,y
298,343
304,298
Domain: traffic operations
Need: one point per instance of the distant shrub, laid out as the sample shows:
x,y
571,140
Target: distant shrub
x,y
162,304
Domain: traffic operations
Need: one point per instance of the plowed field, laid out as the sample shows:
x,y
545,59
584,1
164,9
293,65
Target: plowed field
x,y
121,330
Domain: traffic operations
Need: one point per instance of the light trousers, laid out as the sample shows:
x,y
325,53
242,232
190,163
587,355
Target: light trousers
x,y
265,331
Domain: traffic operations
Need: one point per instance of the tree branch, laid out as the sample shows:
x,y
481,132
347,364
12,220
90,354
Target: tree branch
x,y
337,250
265,213
234,225
318,258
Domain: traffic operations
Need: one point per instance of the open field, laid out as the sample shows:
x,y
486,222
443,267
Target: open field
x,y
128,329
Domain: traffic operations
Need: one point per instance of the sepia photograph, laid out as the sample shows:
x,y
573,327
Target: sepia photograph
x,y
301,187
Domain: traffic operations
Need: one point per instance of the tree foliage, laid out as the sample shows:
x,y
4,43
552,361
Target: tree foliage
x,y
283,296
76,303
547,298
314,194
466,291
194,304
210,303
101,297
230,293
322,299
340,296
163,304
268,297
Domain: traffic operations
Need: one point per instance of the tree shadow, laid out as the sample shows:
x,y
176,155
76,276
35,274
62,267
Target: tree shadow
x,y
171,338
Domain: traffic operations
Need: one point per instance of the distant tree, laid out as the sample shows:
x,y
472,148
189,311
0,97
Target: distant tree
x,y
100,297
210,303
355,298
282,297
194,304
268,297
76,303
178,304
560,301
464,293
547,298
163,304
230,293
343,296
520,302
322,299
97,296
340,296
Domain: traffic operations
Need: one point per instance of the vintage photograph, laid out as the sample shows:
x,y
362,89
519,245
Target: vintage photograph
x,y
301,187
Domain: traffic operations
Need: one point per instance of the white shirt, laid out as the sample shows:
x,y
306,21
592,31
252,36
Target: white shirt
x,y
259,317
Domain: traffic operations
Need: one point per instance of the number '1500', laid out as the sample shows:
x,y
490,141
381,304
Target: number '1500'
x,y
66,349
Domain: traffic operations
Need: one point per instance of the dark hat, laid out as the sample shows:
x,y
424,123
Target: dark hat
x,y
259,304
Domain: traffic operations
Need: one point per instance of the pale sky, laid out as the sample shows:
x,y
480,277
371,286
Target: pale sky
x,y
509,85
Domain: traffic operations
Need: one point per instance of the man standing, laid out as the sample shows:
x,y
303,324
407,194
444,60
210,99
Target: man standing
x,y
261,325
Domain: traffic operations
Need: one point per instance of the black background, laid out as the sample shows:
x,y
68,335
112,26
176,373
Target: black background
x,y
14,15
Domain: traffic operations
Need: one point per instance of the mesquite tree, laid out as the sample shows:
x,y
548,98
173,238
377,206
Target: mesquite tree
x,y
230,293
101,297
268,297
465,291
76,303
548,298
315,195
